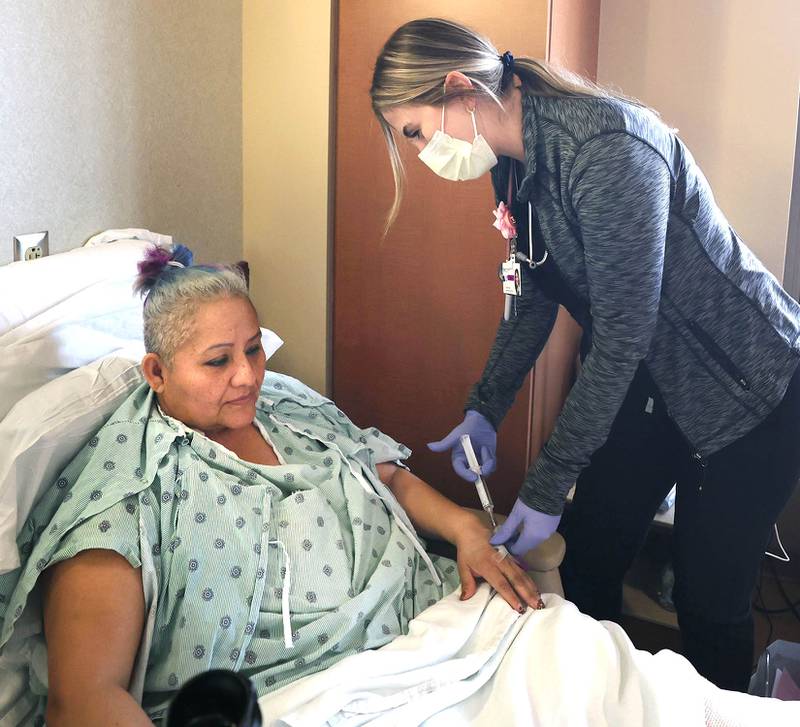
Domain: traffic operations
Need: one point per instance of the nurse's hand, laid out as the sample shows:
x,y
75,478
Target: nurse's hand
x,y
477,560
534,528
484,442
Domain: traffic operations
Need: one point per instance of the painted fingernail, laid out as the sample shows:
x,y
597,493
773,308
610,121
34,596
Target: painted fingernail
x,y
521,609
539,605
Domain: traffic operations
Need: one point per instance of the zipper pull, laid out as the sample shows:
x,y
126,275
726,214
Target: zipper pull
x,y
702,466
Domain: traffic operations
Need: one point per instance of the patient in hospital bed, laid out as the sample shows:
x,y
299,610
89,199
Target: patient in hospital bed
x,y
273,531
224,518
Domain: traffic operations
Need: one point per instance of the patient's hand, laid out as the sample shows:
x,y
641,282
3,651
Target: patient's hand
x,y
477,559
432,513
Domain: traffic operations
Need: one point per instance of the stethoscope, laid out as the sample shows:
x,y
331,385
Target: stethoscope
x,y
513,183
516,257
528,259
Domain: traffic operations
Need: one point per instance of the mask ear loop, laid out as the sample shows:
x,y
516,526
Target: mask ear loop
x,y
474,125
444,101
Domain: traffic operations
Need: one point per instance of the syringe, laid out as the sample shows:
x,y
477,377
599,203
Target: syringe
x,y
480,485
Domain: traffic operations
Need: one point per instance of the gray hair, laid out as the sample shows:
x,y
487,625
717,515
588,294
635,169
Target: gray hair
x,y
174,297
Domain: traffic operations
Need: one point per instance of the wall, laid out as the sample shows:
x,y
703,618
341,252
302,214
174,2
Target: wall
x,y
286,121
121,114
726,73
574,35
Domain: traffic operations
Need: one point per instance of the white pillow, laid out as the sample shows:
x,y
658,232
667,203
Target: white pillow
x,y
129,233
66,310
270,342
32,287
47,428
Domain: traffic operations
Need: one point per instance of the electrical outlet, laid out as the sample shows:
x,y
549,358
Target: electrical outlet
x,y
31,246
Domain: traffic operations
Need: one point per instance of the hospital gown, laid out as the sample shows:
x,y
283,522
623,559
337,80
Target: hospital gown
x,y
274,571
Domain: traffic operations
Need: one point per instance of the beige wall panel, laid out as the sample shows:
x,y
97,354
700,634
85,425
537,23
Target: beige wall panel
x,y
123,113
286,100
726,73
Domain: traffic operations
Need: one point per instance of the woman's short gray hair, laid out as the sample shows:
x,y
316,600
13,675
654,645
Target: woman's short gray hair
x,y
173,294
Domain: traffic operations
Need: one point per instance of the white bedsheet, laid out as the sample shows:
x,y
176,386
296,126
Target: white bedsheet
x,y
479,663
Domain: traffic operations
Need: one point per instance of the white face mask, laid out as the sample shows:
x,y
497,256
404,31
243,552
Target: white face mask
x,y
456,159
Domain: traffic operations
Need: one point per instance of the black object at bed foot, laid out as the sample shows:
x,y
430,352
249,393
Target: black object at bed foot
x,y
216,698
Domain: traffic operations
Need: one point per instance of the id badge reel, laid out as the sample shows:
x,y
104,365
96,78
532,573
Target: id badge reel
x,y
511,277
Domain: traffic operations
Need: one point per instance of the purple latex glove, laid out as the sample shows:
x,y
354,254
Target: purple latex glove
x,y
484,442
536,528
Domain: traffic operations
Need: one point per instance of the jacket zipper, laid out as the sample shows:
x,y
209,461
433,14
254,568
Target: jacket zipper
x,y
697,458
700,462
718,355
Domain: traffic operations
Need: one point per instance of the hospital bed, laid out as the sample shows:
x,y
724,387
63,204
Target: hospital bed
x,y
70,332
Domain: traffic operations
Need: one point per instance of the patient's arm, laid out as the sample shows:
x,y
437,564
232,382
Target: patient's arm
x,y
431,512
93,619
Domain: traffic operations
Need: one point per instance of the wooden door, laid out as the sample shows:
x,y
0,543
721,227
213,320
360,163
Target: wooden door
x,y
414,315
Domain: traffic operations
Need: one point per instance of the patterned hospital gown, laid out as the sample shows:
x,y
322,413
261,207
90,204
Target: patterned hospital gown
x,y
225,538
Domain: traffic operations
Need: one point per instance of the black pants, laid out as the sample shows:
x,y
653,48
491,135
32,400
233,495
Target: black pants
x,y
723,522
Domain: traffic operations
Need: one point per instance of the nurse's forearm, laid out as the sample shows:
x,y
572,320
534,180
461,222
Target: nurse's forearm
x,y
516,347
430,511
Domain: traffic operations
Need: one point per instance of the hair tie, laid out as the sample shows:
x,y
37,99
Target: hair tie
x,y
155,261
508,61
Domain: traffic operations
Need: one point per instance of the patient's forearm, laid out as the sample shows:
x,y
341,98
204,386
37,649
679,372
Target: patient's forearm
x,y
110,706
430,511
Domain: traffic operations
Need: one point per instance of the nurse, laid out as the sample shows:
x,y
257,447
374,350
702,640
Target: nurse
x,y
690,346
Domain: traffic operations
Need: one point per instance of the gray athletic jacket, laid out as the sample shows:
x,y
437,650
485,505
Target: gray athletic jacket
x,y
632,226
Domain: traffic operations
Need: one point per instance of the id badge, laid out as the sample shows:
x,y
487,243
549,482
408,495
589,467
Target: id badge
x,y
511,277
